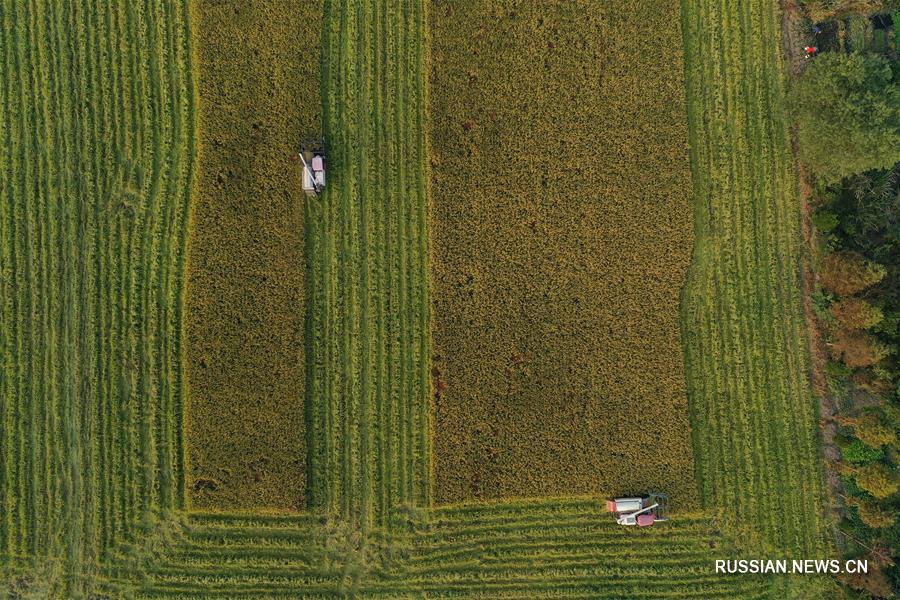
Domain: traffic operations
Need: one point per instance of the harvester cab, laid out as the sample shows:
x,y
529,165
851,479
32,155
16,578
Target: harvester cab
x,y
312,153
642,512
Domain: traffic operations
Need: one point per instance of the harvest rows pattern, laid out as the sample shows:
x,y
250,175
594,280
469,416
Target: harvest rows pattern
x,y
90,325
753,415
97,143
367,336
547,549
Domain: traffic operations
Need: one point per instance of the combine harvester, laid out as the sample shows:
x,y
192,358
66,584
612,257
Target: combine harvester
x,y
642,512
312,153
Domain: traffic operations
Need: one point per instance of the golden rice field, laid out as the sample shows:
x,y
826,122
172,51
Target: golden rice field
x,y
245,294
214,387
562,237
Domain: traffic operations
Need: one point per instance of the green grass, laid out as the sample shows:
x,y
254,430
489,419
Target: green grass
x,y
896,19
753,414
859,32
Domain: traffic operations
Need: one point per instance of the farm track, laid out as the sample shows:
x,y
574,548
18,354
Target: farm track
x,y
98,133
753,414
368,319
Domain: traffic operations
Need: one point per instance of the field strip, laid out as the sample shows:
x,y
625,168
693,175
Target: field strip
x,y
97,129
245,337
580,554
369,238
753,415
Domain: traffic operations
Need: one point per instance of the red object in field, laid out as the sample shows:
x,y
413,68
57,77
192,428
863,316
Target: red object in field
x,y
811,49
644,520
611,506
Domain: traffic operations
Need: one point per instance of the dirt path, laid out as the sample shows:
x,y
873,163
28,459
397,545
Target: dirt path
x,y
792,35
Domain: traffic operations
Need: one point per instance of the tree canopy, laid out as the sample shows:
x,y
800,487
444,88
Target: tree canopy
x,y
848,110
820,10
846,272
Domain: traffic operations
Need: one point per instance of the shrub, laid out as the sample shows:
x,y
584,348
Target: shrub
x,y
877,479
875,582
847,273
848,110
851,488
822,10
856,313
825,221
858,349
837,369
822,302
859,453
874,515
875,380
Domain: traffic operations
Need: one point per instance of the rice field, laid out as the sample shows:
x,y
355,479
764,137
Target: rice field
x,y
753,416
97,150
562,237
109,177
257,77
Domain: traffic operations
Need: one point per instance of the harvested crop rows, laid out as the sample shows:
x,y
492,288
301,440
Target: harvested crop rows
x,y
753,415
222,555
97,150
563,549
367,333
552,548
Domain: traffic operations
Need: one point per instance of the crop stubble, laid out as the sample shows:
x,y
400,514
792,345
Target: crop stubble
x,y
97,151
752,410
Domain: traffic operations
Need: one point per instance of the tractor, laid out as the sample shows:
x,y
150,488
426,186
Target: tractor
x,y
312,153
642,512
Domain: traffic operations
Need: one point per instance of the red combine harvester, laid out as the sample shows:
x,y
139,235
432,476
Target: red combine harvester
x,y
642,512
